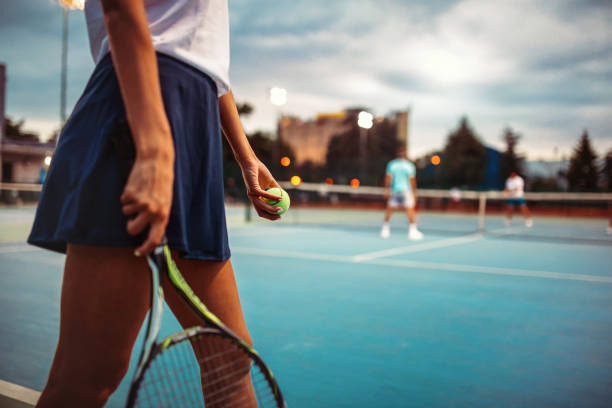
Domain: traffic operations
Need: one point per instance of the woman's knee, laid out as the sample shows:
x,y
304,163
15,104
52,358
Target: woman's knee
x,y
83,381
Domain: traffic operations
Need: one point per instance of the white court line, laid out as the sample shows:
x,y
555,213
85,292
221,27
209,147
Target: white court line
x,y
425,265
261,230
418,247
428,245
291,254
19,393
17,248
492,270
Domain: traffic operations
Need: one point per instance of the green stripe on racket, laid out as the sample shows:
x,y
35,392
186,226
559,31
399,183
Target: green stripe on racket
x,y
204,366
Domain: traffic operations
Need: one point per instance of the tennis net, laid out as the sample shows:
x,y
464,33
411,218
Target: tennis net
x,y
19,193
579,217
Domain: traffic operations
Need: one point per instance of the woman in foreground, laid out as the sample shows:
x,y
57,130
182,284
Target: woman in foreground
x,y
162,67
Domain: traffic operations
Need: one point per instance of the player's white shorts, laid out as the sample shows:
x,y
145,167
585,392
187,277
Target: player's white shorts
x,y
404,200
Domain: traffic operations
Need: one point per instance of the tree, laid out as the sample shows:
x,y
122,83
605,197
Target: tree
x,y
382,144
464,158
13,130
429,174
244,108
510,160
582,174
546,184
264,147
342,157
343,150
607,171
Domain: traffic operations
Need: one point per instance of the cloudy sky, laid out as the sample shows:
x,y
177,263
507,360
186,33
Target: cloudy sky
x,y
542,67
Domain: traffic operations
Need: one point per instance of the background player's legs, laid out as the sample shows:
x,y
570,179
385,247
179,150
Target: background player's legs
x,y
215,284
411,215
388,213
105,298
385,231
413,232
527,215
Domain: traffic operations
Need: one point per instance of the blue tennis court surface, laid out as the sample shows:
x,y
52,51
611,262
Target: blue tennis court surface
x,y
346,319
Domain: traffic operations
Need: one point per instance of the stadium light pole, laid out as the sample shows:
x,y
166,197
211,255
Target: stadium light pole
x,y
278,98
67,5
64,71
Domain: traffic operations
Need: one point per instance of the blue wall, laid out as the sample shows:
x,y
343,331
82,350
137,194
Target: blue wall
x,y
491,179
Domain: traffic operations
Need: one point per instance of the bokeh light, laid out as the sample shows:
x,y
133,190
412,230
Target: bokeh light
x,y
365,120
278,96
73,4
285,161
355,183
296,180
435,160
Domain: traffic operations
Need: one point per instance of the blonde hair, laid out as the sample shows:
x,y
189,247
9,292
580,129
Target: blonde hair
x,y
72,4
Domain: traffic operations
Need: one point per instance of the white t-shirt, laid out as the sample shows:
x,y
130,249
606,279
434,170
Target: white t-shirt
x,y
515,187
193,31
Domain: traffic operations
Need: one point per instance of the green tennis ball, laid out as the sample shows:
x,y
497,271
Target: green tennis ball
x,y
282,203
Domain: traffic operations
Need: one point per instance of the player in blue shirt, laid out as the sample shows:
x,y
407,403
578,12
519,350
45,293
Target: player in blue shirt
x,y
400,191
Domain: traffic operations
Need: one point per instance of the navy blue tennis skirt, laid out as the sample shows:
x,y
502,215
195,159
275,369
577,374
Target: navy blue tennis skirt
x,y
80,198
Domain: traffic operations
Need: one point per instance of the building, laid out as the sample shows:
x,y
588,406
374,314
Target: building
x,y
2,107
20,161
24,162
309,139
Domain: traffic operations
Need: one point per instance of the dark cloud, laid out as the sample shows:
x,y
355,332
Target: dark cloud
x,y
575,59
574,93
406,81
571,8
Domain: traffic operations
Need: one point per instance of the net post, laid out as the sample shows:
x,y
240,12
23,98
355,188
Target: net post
x,y
482,206
247,211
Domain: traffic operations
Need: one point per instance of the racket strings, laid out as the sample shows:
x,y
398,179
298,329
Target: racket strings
x,y
206,371
225,373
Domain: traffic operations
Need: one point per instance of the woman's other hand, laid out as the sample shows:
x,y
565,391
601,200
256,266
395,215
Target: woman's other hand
x,y
257,179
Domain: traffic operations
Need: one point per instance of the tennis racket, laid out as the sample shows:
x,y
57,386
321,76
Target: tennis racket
x,y
204,366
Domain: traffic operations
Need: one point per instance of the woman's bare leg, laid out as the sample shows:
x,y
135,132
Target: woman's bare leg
x,y
105,298
215,284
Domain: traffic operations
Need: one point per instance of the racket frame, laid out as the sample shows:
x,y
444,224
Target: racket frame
x,y
160,261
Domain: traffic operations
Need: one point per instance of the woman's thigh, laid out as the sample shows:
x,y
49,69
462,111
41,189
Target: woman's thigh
x,y
105,298
215,284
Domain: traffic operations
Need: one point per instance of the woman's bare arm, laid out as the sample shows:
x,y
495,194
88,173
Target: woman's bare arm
x,y
256,176
148,193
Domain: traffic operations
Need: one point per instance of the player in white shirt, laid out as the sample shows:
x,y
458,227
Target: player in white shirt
x,y
515,191
400,191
